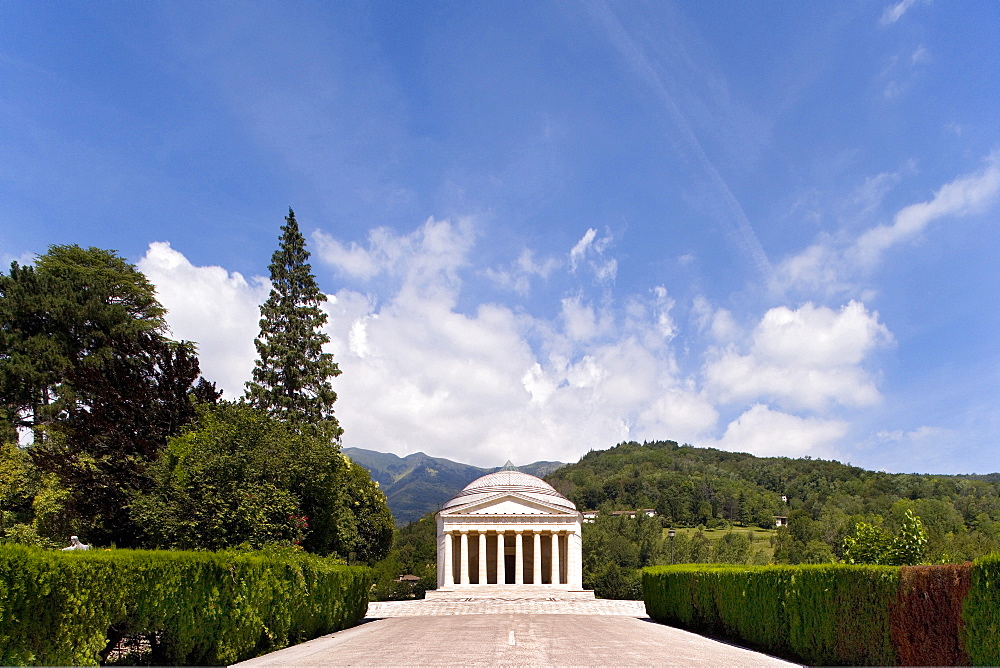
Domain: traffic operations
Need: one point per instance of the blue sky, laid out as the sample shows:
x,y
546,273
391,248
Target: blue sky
x,y
549,227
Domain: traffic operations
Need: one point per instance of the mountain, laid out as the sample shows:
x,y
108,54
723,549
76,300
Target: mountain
x,y
419,484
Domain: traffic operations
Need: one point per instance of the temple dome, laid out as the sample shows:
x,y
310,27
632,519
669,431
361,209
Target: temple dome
x,y
501,482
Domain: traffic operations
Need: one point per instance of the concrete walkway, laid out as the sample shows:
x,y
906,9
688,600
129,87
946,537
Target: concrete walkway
x,y
512,632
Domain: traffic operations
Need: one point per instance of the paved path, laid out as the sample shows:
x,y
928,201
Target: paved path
x,y
513,632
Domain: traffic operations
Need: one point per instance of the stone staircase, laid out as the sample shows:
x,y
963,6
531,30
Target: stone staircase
x,y
508,592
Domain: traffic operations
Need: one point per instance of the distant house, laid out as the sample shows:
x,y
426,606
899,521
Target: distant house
x,y
780,521
408,578
590,515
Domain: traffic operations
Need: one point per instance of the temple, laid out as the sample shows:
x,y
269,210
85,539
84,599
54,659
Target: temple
x,y
509,529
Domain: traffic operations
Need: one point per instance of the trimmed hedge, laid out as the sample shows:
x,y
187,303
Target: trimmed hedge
x,y
927,625
982,612
201,607
817,614
838,614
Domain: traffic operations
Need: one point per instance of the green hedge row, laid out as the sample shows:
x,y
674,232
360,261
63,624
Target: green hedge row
x,y
838,614
197,607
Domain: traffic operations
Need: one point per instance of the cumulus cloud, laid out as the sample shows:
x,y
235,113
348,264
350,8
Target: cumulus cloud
x,y
481,384
485,382
765,432
805,358
217,309
579,319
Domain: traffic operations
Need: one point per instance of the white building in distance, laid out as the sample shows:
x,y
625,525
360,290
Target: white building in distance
x,y
510,529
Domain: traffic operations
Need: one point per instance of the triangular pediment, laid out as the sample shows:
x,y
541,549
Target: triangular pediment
x,y
508,504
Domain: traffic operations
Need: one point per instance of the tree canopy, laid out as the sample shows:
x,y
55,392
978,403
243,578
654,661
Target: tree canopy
x,y
86,366
241,477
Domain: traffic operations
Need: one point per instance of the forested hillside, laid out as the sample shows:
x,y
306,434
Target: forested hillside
x,y
692,487
723,505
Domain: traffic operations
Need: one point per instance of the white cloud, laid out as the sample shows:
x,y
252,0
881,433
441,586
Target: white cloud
x,y
819,336
213,307
833,265
430,256
718,323
579,319
920,434
664,304
517,277
964,196
580,249
870,194
678,414
806,358
23,259
420,375
765,433
592,249
488,382
895,12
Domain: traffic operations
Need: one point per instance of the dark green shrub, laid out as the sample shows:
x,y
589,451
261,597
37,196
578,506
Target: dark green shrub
x,y
200,607
926,621
981,612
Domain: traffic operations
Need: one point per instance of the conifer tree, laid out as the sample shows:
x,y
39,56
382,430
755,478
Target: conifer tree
x,y
291,378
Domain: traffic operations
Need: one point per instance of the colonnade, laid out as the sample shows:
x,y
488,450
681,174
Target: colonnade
x,y
548,551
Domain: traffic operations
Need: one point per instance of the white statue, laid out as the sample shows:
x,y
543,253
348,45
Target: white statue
x,y
75,544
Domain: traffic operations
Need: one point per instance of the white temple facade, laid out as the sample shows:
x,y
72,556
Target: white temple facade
x,y
510,529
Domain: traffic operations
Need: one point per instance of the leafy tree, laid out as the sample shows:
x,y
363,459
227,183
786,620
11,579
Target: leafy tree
x,y
291,378
414,552
910,543
872,545
85,364
63,321
370,532
240,476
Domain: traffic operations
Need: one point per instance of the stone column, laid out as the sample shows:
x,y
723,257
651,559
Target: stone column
x,y
574,561
537,572
518,557
555,558
449,569
501,566
484,577
463,555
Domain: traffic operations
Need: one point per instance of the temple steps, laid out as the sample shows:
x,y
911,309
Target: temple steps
x,y
509,592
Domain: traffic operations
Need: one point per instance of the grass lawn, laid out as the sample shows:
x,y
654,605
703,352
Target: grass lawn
x,y
760,539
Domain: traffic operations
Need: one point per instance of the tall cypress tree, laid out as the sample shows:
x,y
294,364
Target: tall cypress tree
x,y
291,378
